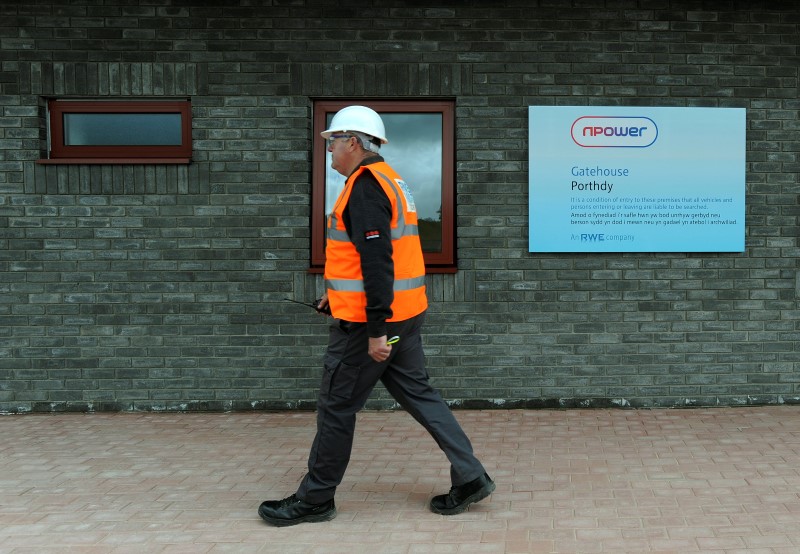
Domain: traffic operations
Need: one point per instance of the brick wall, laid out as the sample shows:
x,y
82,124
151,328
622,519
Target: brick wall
x,y
161,287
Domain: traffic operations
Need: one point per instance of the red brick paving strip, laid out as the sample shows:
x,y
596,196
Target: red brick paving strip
x,y
672,481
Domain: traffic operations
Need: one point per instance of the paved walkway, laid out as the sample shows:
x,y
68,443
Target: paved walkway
x,y
700,480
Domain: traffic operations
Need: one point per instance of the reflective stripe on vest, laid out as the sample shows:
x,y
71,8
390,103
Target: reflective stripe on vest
x,y
354,285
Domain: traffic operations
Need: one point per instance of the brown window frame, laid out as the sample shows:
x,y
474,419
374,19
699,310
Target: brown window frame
x,y
443,261
59,152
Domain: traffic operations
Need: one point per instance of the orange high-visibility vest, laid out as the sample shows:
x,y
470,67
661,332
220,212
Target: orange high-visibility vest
x,y
343,279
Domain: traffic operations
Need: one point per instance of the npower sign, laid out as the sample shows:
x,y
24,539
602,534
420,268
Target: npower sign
x,y
597,131
596,186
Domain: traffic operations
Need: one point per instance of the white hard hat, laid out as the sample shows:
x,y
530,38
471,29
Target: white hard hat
x,y
360,119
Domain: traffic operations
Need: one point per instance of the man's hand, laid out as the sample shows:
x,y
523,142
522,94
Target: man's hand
x,y
378,349
323,304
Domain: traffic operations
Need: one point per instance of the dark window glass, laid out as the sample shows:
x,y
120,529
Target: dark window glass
x,y
415,152
130,131
113,129
421,149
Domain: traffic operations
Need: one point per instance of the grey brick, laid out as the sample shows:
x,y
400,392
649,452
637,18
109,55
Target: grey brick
x,y
161,287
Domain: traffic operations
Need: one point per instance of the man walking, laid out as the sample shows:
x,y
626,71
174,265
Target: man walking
x,y
375,289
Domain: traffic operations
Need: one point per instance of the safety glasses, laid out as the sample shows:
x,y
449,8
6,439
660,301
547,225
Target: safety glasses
x,y
333,138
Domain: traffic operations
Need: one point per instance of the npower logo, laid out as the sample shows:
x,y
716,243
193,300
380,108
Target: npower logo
x,y
597,131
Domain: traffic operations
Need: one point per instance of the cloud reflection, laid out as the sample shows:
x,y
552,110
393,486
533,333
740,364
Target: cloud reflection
x,y
414,151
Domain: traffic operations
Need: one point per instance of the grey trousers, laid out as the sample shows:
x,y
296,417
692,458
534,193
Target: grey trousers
x,y
350,375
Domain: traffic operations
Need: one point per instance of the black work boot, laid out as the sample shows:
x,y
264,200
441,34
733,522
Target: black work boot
x,y
459,498
292,510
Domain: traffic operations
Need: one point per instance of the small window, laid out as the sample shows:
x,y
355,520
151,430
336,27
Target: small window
x,y
421,149
100,131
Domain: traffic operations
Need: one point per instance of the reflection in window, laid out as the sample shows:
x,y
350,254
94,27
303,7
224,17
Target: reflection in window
x,y
415,152
114,129
421,149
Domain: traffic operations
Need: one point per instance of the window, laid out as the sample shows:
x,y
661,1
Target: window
x,y
102,131
421,149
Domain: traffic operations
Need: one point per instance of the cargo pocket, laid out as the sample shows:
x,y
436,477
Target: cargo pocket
x,y
339,379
